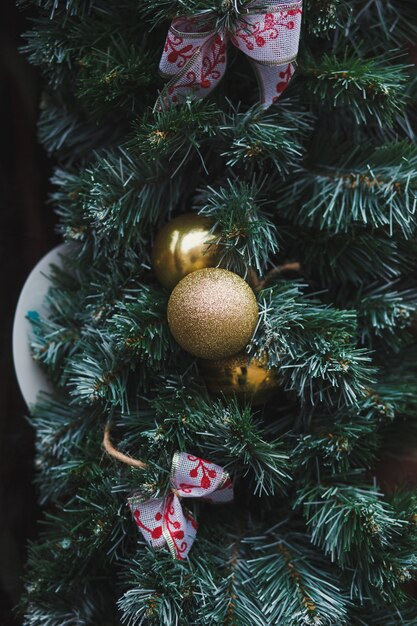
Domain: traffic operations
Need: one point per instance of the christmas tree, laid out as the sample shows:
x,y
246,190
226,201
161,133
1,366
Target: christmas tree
x,y
311,204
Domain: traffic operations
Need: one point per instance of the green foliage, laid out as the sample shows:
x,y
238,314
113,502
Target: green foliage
x,y
73,7
250,140
245,233
343,260
371,87
307,590
139,327
349,186
338,443
386,313
61,129
347,520
117,199
261,139
114,81
159,593
156,11
325,15
394,20
178,130
312,344
244,452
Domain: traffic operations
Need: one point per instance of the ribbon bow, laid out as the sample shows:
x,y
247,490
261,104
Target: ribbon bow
x,y
195,55
163,520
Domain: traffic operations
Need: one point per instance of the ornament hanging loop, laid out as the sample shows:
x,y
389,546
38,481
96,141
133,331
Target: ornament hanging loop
x,y
116,454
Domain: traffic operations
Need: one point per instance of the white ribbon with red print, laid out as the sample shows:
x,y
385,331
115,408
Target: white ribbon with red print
x,y
163,520
195,58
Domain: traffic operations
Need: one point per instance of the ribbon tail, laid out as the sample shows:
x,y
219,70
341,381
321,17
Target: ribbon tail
x,y
179,528
272,80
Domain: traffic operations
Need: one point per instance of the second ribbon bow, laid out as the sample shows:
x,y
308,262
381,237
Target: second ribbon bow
x,y
163,520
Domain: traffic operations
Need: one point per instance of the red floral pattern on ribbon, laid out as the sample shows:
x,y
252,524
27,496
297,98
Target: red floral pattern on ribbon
x,y
163,521
178,53
194,58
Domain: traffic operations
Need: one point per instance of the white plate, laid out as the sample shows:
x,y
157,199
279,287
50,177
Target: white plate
x,y
30,376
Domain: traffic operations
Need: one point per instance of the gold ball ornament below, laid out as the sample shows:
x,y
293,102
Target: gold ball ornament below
x,y
238,376
182,246
212,313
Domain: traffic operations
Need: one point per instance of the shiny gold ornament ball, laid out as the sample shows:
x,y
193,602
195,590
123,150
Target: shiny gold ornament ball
x,y
182,246
238,376
212,313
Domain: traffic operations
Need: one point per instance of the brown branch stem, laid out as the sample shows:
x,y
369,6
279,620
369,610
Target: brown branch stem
x,y
258,284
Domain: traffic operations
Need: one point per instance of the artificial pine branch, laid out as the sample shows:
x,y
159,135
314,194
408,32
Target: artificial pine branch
x,y
324,182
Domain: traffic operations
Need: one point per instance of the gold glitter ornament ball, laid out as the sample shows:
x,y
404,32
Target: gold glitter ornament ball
x,y
182,246
212,313
238,376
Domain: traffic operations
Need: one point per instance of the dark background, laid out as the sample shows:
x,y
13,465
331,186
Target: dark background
x,y
26,234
